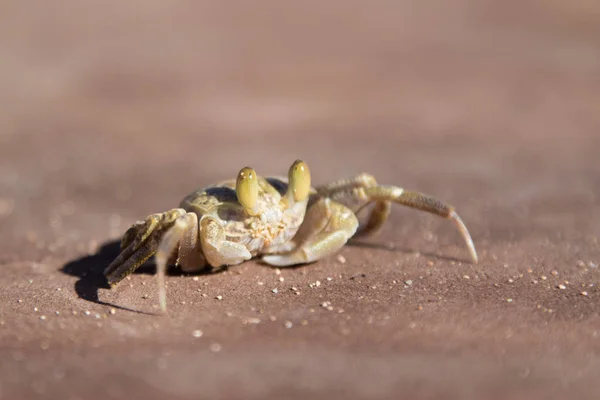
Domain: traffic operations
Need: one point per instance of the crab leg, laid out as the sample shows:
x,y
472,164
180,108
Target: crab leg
x,y
133,239
348,192
379,214
116,272
139,244
183,237
422,202
361,190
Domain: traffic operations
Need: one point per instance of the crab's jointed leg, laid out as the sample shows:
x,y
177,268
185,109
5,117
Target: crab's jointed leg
x,y
326,229
358,192
379,214
347,192
180,239
140,243
426,203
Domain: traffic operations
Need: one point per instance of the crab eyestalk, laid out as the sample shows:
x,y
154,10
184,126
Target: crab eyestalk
x,y
246,188
299,182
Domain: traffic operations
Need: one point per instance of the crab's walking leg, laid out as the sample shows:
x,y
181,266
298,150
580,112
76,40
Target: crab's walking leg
x,y
379,214
217,250
181,238
422,202
326,229
139,243
361,190
345,190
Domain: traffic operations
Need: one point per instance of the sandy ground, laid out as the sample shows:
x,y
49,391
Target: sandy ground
x,y
111,111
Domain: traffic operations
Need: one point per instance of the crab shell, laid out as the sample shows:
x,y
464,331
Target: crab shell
x,y
276,222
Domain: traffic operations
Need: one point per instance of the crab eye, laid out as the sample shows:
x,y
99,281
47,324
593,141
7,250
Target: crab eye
x,y
246,188
299,177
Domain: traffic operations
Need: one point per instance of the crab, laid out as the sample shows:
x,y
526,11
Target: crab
x,y
284,221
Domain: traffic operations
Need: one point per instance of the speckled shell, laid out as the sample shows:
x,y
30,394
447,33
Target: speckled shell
x,y
277,222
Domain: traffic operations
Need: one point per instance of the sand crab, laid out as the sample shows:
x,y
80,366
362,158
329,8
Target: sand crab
x,y
284,221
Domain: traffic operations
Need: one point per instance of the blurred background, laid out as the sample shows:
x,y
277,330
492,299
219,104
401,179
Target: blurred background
x,y
112,110
167,96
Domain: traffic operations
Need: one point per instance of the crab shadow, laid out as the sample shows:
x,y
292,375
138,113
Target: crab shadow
x,y
361,243
90,269
90,273
402,250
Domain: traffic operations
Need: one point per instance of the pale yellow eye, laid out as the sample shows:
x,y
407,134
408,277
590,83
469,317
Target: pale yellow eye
x,y
299,177
246,188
